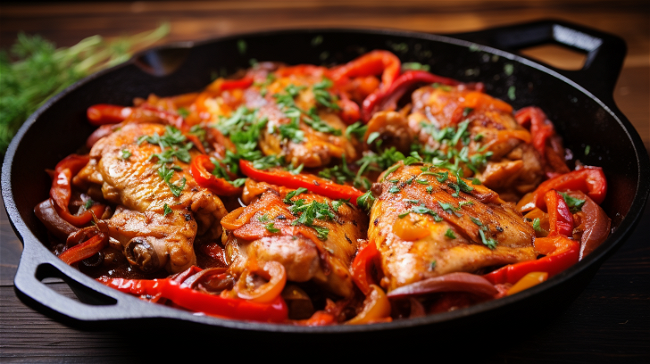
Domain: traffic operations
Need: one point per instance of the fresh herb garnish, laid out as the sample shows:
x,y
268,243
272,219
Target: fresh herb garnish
x,y
358,130
126,154
292,194
88,204
450,234
166,210
365,201
394,189
574,204
271,228
489,242
166,175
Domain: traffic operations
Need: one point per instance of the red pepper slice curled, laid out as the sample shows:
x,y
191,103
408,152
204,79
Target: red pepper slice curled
x,y
84,250
314,184
215,305
199,170
61,190
387,98
373,63
361,268
590,180
102,114
561,251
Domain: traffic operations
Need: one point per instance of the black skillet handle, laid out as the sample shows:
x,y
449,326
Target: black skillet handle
x,y
103,304
605,52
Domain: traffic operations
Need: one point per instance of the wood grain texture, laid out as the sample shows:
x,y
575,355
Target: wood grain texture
x,y
609,320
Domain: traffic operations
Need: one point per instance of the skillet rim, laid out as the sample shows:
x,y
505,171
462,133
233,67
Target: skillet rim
x,y
593,260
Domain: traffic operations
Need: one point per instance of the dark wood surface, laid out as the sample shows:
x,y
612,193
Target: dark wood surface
x,y
608,322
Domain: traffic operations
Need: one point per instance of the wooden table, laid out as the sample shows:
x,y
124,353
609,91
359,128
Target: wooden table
x,y
609,321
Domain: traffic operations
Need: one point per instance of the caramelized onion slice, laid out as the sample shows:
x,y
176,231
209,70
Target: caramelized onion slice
x,y
267,292
53,222
452,282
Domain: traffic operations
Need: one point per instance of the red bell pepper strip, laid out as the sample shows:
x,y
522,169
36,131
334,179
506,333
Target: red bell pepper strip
x,y
236,84
84,250
199,170
361,268
590,180
387,98
61,190
350,112
560,218
215,305
302,70
561,251
314,184
373,63
102,114
540,127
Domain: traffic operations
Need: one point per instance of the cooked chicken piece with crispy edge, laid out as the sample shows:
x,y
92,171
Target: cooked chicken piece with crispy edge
x,y
426,223
123,171
314,141
495,148
266,230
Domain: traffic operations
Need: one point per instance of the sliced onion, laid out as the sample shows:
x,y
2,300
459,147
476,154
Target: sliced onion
x,y
452,282
277,276
53,222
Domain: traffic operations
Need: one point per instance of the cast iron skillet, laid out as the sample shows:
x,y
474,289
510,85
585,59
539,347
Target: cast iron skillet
x,y
579,102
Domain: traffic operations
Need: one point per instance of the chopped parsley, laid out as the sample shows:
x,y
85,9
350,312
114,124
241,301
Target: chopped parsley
x,y
166,175
421,209
308,212
294,193
432,265
537,226
450,234
322,96
394,189
461,183
183,112
340,202
476,181
126,154
489,242
172,145
365,201
574,204
271,228
372,137
429,189
263,218
166,210
358,130
88,204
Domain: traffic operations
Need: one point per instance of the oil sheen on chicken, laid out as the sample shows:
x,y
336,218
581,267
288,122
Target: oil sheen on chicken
x,y
266,230
425,224
155,228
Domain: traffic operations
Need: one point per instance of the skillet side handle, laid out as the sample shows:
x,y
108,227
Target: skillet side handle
x,y
605,52
38,263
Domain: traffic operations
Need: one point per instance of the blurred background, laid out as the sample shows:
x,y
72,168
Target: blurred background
x,y
67,23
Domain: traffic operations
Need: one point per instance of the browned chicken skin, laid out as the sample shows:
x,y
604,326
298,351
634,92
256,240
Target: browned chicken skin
x,y
316,148
512,168
443,233
152,237
304,254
